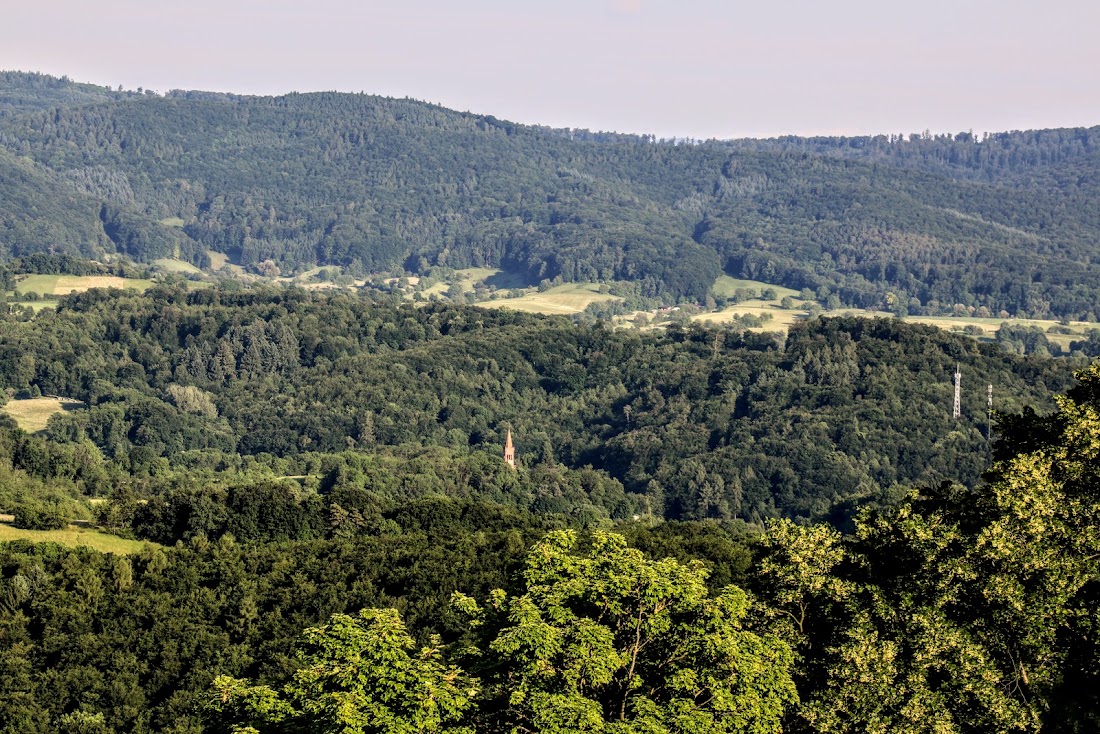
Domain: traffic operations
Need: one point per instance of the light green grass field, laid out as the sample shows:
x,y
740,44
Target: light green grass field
x,y
475,275
36,283
32,414
36,306
780,321
989,326
217,259
568,298
306,275
726,286
172,222
74,537
469,277
176,266
60,285
436,289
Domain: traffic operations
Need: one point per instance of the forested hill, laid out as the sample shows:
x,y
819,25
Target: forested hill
x,y
1009,222
683,424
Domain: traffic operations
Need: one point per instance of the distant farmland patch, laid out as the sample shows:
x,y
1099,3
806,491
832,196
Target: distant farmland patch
x,y
218,260
728,286
781,319
32,414
62,285
74,537
68,283
569,298
171,265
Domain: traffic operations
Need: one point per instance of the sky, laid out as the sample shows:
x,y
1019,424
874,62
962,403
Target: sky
x,y
689,68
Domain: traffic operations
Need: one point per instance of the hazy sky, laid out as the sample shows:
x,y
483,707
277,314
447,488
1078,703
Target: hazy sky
x,y
699,68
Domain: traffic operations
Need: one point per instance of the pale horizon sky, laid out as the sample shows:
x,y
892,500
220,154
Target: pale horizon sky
x,y
693,68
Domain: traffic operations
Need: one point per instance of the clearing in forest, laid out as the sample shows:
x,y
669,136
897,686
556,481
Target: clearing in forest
x,y
32,414
568,298
218,260
171,265
73,537
781,319
470,277
727,286
62,285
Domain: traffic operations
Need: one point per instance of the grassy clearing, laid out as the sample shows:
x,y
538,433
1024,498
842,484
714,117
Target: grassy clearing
x,y
989,326
470,277
727,286
171,265
36,283
992,324
173,222
436,289
569,298
61,285
32,414
859,312
781,318
310,274
217,259
74,537
36,306
475,275
79,283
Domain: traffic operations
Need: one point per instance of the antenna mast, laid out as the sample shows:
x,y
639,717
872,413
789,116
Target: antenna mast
x,y
989,414
956,410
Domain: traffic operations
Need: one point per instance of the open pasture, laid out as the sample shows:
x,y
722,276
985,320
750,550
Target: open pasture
x,y
61,285
35,306
32,414
727,286
218,260
74,537
171,265
780,321
569,298
492,277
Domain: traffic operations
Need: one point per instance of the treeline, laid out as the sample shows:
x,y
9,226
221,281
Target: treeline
x,y
954,610
689,423
133,643
920,224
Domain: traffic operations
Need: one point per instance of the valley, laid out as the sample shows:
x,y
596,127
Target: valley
x,y
334,412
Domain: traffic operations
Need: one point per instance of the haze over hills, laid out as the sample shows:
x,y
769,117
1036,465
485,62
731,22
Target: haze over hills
x,y
1008,222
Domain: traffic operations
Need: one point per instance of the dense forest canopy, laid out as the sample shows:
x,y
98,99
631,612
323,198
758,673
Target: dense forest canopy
x,y
680,424
308,523
917,223
951,610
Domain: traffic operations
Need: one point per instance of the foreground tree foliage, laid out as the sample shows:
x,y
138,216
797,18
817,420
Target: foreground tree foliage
x,y
302,456
602,640
959,610
608,641
357,675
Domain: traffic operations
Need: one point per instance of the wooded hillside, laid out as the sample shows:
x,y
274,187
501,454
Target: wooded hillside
x,y
913,224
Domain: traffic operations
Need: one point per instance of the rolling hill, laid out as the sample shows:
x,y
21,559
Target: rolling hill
x,y
912,224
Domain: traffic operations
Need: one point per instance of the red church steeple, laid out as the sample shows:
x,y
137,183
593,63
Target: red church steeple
x,y
509,451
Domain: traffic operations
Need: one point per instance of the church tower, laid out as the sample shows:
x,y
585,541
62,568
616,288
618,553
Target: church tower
x,y
509,452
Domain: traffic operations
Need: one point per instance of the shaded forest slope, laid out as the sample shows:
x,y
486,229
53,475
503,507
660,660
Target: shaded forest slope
x,y
1009,222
